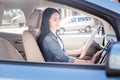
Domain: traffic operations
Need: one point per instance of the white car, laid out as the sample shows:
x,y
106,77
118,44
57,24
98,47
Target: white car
x,y
77,23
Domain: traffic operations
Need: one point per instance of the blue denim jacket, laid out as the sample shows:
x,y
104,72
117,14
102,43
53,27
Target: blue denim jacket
x,y
52,51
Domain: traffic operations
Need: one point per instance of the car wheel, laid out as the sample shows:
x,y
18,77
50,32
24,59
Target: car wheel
x,y
61,31
88,29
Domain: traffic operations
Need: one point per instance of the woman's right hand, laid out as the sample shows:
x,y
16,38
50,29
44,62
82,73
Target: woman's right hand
x,y
96,55
92,61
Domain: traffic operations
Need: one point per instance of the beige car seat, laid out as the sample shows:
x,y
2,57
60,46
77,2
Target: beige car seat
x,y
32,50
7,50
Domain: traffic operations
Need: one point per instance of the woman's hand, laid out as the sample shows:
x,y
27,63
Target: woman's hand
x,y
96,55
74,52
92,61
78,61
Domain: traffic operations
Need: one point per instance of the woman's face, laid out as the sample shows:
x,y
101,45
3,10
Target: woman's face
x,y
54,21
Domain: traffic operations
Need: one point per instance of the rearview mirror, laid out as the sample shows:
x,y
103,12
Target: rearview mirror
x,y
113,60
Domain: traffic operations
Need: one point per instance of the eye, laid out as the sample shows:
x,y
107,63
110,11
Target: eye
x,y
54,19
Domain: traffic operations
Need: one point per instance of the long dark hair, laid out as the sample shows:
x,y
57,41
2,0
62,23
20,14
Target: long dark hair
x,y
45,28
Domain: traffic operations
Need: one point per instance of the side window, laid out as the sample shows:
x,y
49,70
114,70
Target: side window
x,y
83,19
73,20
80,32
13,18
79,19
81,22
88,18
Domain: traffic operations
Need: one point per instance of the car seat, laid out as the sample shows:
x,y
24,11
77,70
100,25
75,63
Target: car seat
x,y
7,50
32,51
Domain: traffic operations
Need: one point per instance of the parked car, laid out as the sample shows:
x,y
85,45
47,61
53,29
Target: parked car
x,y
20,68
77,23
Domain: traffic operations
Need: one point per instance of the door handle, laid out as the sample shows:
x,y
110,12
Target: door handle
x,y
18,41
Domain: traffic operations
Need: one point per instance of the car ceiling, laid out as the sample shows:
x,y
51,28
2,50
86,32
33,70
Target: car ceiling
x,y
27,4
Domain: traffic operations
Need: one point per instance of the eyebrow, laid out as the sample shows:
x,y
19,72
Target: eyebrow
x,y
55,18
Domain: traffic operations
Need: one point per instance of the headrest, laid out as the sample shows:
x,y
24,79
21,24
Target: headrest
x,y
1,12
34,20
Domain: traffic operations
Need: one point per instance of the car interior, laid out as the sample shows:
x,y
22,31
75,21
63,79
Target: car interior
x,y
24,47
7,50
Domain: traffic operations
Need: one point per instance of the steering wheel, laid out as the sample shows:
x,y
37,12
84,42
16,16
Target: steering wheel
x,y
88,43
104,53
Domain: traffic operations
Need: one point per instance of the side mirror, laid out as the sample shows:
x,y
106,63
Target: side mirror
x,y
113,60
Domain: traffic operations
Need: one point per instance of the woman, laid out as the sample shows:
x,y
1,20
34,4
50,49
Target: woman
x,y
50,43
